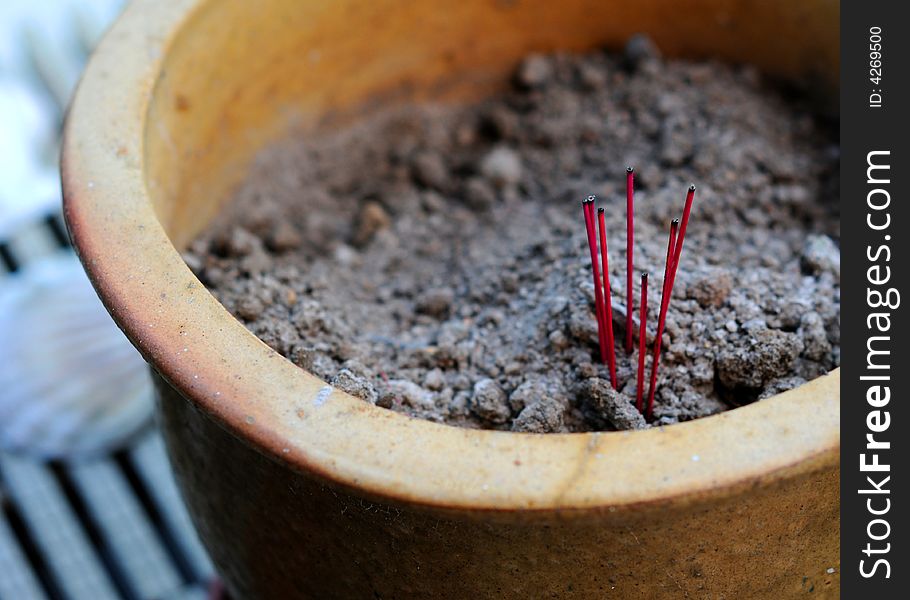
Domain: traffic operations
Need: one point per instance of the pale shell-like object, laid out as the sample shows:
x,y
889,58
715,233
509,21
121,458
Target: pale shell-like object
x,y
71,385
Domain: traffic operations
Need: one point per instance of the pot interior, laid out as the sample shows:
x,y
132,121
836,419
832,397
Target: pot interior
x,y
239,74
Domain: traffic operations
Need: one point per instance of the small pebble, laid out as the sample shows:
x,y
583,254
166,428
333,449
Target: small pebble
x,y
502,167
534,71
757,358
284,237
543,416
612,405
409,393
371,218
558,340
355,385
436,302
429,169
821,255
489,402
711,289
434,380
479,195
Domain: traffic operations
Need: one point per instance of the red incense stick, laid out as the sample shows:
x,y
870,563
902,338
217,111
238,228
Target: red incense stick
x,y
690,196
671,268
642,341
630,236
608,299
671,252
661,318
588,208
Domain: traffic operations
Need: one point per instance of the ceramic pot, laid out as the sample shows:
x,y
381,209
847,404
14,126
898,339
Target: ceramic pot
x,y
299,490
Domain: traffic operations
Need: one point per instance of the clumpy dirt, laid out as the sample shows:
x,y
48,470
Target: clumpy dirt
x,y
433,260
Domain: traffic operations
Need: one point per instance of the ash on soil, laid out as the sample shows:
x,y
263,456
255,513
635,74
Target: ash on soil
x,y
433,260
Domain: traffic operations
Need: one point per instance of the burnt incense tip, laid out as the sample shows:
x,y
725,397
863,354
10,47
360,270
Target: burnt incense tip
x,y
674,222
630,169
589,199
600,210
692,188
644,276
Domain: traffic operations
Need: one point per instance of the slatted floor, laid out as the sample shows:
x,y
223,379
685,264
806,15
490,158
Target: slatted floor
x,y
109,528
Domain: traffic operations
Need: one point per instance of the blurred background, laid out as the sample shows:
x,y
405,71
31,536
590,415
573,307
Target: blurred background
x,y
88,505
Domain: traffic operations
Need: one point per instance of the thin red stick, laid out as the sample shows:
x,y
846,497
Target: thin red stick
x,y
630,236
608,299
668,292
588,208
690,196
595,272
642,341
671,252
607,342
662,316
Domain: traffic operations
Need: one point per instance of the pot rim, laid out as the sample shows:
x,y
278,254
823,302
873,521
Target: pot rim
x,y
297,419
